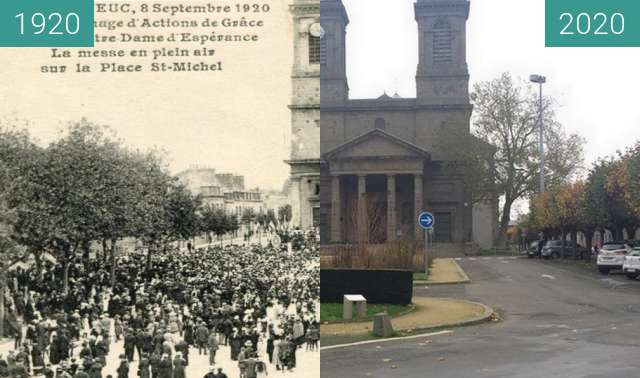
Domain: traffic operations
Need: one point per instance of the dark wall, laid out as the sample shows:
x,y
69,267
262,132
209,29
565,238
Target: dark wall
x,y
378,286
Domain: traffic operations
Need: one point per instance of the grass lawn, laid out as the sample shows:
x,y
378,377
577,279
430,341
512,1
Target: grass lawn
x,y
421,276
332,312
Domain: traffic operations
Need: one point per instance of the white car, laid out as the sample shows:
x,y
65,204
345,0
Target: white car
x,y
631,266
612,255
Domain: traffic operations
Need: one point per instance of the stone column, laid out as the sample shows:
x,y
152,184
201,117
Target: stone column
x,y
391,208
336,210
362,228
295,201
418,195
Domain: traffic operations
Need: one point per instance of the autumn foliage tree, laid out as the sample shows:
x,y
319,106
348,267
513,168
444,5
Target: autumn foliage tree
x,y
608,199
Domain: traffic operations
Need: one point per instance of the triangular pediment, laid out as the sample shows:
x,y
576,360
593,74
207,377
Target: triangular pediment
x,y
377,144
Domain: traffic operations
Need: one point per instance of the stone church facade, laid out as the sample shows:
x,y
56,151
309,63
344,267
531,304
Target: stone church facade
x,y
305,115
380,158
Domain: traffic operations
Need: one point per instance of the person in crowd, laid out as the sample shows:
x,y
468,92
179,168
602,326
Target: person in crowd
x,y
259,299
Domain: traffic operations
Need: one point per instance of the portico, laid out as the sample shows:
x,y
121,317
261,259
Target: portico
x,y
377,191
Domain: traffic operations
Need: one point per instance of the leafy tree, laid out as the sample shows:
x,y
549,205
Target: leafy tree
x,y
210,220
272,219
506,117
151,222
623,181
248,218
8,248
183,210
285,215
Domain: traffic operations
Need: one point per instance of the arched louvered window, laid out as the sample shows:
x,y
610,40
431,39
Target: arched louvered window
x,y
314,49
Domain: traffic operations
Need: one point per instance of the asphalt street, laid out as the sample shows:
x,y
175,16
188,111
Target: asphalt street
x,y
559,320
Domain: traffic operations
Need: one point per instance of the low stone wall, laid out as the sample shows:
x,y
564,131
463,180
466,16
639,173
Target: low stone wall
x,y
378,286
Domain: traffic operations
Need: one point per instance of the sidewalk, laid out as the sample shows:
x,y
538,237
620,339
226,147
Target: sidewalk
x,y
429,313
444,271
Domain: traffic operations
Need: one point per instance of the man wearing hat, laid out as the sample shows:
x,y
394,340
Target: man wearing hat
x,y
211,373
165,368
47,372
123,369
212,343
202,337
179,366
220,374
81,373
143,366
96,369
129,344
154,362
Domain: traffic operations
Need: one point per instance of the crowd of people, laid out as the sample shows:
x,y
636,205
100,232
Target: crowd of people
x,y
255,305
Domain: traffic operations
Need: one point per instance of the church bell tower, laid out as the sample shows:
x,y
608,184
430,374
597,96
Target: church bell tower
x,y
333,71
305,114
442,76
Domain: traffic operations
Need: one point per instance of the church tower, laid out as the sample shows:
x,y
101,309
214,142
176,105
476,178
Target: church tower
x,y
442,76
305,114
335,89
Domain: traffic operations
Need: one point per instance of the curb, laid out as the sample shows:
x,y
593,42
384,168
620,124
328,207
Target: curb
x,y
378,341
465,279
488,312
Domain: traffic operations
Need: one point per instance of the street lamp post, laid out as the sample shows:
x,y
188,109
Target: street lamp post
x,y
539,79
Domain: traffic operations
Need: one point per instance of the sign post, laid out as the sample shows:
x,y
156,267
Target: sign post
x,y
426,220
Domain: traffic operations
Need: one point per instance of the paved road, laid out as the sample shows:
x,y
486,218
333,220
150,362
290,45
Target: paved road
x,y
559,321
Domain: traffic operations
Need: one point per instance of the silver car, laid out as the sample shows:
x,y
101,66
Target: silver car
x,y
612,256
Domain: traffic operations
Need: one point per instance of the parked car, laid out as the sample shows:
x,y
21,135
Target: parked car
x,y
631,265
532,251
612,256
553,250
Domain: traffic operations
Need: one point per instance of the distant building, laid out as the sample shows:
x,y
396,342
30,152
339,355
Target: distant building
x,y
224,191
274,199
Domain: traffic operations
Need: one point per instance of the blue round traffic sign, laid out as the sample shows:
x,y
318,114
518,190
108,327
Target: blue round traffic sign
x,y
426,220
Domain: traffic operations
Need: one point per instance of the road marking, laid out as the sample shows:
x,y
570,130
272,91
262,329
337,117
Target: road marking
x,y
612,282
440,333
548,276
458,258
472,258
486,258
501,258
504,262
564,326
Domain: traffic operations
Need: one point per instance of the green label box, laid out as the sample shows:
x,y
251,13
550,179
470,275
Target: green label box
x,y
592,23
46,23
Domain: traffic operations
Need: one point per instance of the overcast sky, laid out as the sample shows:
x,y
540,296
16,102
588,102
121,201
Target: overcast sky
x,y
595,87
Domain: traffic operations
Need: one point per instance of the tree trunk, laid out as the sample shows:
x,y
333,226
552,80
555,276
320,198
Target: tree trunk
x,y
3,286
563,238
112,253
65,279
85,257
589,237
505,218
148,268
37,256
